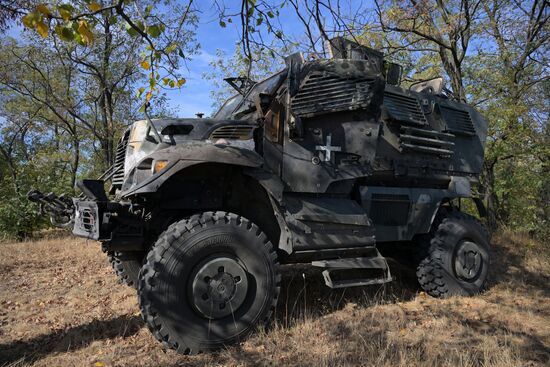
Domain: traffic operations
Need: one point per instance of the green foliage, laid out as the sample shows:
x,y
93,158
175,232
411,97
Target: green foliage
x,y
161,25
63,105
492,54
264,63
18,218
47,171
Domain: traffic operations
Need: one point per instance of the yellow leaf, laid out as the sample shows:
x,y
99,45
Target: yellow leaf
x,y
171,48
181,82
28,20
65,10
65,14
145,65
99,364
149,95
94,6
84,31
42,28
43,9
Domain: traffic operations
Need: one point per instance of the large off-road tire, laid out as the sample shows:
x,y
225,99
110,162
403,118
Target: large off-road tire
x,y
458,256
126,266
208,282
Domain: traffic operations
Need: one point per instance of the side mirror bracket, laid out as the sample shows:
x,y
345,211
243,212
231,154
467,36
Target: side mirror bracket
x,y
393,73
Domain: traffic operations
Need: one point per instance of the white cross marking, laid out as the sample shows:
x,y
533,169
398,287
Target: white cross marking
x,y
328,148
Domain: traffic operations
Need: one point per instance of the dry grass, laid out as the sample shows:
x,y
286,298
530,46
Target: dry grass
x,y
60,305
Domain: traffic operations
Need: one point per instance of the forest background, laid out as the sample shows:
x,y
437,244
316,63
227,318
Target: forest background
x,y
74,76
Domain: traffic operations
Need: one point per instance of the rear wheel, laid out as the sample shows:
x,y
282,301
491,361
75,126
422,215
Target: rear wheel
x,y
458,257
208,282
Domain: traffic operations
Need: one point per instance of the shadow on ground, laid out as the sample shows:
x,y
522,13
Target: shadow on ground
x,y
73,338
304,293
509,266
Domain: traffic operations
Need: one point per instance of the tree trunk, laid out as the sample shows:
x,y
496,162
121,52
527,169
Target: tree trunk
x,y
490,197
76,157
455,74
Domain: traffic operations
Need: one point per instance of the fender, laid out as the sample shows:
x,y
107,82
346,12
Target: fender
x,y
268,180
184,156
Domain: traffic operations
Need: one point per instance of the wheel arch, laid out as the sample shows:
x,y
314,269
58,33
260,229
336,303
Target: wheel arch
x,y
446,203
210,186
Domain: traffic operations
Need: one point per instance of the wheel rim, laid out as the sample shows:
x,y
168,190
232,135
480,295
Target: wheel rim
x,y
468,261
219,287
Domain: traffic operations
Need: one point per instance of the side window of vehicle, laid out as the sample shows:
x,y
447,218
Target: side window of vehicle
x,y
274,123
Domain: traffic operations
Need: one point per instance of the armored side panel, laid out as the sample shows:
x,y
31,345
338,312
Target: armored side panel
x,y
335,127
428,139
335,120
334,124
320,223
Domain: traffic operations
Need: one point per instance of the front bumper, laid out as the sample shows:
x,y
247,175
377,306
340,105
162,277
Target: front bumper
x,y
87,219
108,221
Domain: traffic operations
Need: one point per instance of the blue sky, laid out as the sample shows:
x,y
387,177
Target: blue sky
x,y
195,95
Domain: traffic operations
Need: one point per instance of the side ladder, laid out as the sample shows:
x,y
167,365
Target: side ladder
x,y
337,271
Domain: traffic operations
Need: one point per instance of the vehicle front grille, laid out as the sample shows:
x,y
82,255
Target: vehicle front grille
x,y
118,166
404,108
458,121
238,132
323,93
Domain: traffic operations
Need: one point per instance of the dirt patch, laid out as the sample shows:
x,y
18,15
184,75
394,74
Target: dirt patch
x,y
61,305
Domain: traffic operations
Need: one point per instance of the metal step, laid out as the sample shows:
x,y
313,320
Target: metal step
x,y
340,266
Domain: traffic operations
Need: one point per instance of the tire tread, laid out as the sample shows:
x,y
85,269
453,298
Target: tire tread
x,y
156,255
430,272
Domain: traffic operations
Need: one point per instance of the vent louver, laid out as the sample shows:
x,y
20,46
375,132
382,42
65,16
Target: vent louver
x,y
458,121
323,93
404,108
237,132
118,166
426,141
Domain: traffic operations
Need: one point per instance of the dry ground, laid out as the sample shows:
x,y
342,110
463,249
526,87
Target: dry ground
x,y
60,305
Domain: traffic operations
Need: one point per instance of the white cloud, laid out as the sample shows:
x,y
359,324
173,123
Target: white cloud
x,y
204,57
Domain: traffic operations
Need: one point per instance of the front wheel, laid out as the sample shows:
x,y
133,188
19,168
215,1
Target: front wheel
x,y
208,282
458,257
126,266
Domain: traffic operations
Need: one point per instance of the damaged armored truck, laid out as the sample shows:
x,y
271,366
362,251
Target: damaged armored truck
x,y
325,162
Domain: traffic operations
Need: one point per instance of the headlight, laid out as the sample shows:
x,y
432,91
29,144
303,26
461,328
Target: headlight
x,y
159,165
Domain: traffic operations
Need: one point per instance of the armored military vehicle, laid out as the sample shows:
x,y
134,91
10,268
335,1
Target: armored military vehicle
x,y
322,163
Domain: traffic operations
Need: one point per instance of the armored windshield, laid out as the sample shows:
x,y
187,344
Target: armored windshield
x,y
238,106
228,107
142,141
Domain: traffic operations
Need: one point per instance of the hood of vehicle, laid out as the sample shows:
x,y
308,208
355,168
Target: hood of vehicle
x,y
182,129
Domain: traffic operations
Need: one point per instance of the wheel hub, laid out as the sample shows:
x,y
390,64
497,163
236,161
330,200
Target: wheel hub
x,y
468,261
219,287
